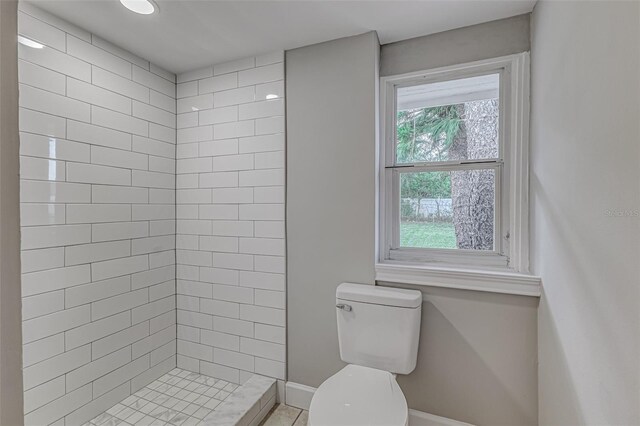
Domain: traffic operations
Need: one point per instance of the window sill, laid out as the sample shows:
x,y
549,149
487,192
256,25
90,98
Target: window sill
x,y
464,279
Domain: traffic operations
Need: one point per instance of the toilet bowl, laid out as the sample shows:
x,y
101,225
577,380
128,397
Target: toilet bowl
x,y
359,396
378,332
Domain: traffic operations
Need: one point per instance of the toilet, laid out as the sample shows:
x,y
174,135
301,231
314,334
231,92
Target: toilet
x,y
378,332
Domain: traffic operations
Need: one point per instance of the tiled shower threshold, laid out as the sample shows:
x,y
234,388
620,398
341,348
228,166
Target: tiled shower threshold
x,y
183,398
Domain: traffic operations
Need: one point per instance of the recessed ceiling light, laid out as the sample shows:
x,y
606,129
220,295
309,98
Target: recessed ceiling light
x,y
272,96
143,7
30,43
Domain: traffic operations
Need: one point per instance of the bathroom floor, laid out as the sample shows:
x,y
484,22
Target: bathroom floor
x,y
284,415
179,397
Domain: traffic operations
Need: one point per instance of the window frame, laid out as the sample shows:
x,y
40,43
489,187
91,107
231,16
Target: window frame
x,y
510,252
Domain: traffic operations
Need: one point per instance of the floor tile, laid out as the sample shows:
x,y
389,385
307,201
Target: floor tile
x,y
282,415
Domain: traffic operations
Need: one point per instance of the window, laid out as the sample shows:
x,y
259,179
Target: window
x,y
453,175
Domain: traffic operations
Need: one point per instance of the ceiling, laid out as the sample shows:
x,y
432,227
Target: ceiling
x,y
189,34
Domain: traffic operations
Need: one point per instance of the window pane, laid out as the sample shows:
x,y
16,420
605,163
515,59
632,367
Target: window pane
x,y
447,121
447,210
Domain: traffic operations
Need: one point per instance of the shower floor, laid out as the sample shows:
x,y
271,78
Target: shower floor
x,y
179,397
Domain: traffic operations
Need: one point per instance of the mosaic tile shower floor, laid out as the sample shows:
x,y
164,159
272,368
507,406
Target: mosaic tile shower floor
x,y
179,397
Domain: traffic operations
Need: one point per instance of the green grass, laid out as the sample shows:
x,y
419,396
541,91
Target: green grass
x,y
427,235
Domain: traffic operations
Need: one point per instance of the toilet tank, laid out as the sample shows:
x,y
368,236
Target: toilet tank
x,y
379,327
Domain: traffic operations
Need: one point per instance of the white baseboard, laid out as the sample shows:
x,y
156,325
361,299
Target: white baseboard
x,y
299,396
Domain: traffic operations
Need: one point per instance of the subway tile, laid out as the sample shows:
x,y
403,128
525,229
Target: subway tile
x,y
153,147
218,211
232,228
87,293
115,120
220,308
264,315
236,129
187,89
262,143
41,169
220,244
194,103
39,260
42,304
120,303
269,195
55,366
118,84
152,244
268,108
193,257
260,348
41,31
271,299
196,74
232,163
113,268
104,194
40,350
232,195
269,177
195,319
120,339
270,368
51,324
56,61
59,23
97,135
220,340
219,147
95,330
152,277
162,101
262,280
266,246
218,83
96,213
233,261
54,279
234,97
96,56
119,231
53,236
54,192
270,160
43,394
169,76
236,327
270,58
270,125
54,410
115,50
193,196
270,333
41,77
154,114
162,290
41,123
97,405
118,158
153,309
233,359
91,173
87,253
233,293
195,350
162,133
237,65
95,95
266,91
153,341
154,81
153,211
262,74
187,119
269,229
218,115
219,276
119,376
195,134
99,367
54,148
194,288
32,214
261,211
153,179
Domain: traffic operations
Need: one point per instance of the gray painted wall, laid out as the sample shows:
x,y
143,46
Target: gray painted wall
x,y
585,141
478,351
11,400
474,43
331,124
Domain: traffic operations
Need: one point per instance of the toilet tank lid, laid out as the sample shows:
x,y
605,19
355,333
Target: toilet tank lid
x,y
387,296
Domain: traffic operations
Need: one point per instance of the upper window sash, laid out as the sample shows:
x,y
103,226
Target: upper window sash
x,y
511,200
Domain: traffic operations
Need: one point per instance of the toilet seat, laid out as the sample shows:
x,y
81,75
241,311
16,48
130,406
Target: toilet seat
x,y
359,396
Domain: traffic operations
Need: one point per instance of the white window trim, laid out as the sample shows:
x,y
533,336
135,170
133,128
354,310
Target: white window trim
x,y
474,272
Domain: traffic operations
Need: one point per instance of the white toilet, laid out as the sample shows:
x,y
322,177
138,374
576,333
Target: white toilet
x,y
378,332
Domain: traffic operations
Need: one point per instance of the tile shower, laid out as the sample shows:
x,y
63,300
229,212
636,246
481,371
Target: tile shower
x,y
128,194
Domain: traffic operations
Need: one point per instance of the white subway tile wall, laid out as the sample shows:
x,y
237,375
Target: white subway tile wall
x,y
98,132
230,241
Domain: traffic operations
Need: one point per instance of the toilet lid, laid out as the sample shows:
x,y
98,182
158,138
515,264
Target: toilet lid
x,y
359,395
